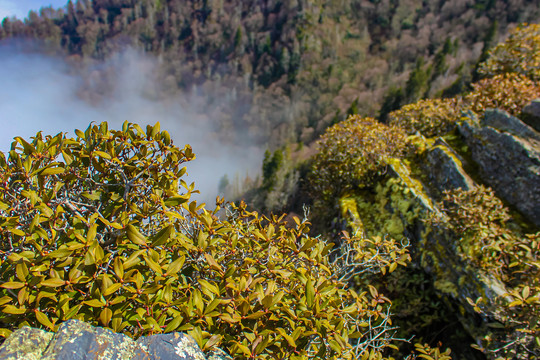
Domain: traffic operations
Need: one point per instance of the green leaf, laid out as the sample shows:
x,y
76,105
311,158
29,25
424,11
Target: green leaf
x,y
213,263
162,236
60,253
175,266
207,285
230,319
213,341
286,336
176,200
52,282
10,309
102,154
112,289
94,303
12,285
153,265
256,315
16,232
133,259
4,300
310,293
52,171
173,325
44,320
135,236
105,316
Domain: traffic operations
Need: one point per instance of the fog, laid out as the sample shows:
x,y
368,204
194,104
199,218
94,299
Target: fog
x,y
41,92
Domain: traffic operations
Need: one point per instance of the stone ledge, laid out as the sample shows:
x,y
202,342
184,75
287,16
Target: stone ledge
x,y
78,340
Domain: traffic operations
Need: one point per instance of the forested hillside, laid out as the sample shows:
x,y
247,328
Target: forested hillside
x,y
282,71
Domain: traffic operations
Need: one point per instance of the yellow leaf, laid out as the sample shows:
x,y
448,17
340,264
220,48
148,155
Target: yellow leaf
x,y
52,282
111,289
102,154
173,325
12,285
10,309
153,265
43,319
176,265
525,292
52,171
212,262
94,303
105,316
135,236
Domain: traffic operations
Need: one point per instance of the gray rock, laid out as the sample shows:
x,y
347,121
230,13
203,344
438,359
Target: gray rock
x,y
509,164
445,170
531,114
503,121
26,343
77,340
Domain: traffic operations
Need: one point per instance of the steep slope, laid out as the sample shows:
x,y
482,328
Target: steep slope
x,y
458,181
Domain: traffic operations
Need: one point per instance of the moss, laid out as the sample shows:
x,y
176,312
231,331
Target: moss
x,y
446,287
349,211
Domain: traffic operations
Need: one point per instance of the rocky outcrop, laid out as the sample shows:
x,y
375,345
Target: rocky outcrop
x,y
503,121
531,114
79,340
499,151
444,170
508,158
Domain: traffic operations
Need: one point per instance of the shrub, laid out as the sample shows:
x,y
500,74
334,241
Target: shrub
x,y
490,243
509,92
352,153
520,53
432,117
96,228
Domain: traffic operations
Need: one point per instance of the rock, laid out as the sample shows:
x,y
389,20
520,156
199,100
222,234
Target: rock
x,y
444,170
503,121
508,163
531,114
79,340
26,343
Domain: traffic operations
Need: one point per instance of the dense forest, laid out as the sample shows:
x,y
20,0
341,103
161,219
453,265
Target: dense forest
x,y
284,70
406,132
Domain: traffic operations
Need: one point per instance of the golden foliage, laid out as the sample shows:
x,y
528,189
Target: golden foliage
x,y
98,229
520,53
353,152
431,117
491,243
509,92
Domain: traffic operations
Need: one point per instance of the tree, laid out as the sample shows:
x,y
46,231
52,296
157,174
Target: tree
x,y
101,228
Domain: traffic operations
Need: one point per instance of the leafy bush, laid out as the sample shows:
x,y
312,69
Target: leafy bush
x,y
490,242
509,92
352,153
431,117
97,229
520,53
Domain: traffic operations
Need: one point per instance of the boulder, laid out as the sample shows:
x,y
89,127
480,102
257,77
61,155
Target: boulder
x,y
78,340
508,163
444,170
531,114
503,121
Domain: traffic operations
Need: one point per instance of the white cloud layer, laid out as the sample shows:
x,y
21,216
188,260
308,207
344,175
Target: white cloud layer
x,y
40,93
